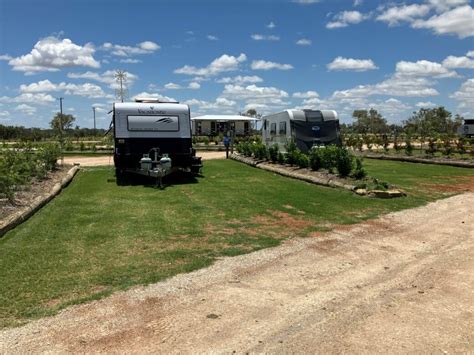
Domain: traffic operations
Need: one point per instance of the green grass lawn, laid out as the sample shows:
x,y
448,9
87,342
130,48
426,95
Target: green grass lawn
x,y
97,237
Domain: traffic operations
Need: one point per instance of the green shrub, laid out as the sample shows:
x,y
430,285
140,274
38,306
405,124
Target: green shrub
x,y
292,152
359,171
408,146
431,146
281,158
302,160
273,153
315,158
259,151
344,162
329,157
49,155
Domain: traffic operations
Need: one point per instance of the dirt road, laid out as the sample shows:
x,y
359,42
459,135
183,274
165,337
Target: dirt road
x,y
109,160
401,283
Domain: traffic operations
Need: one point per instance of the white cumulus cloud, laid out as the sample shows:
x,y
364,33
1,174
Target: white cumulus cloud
x,y
145,47
305,95
239,79
346,18
219,65
303,42
458,62
259,37
404,13
53,54
267,65
107,77
424,68
458,21
26,109
341,63
465,95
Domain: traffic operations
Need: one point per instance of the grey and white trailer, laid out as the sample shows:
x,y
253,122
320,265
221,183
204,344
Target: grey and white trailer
x,y
153,138
467,128
307,128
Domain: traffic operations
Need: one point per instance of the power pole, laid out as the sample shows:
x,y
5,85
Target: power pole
x,y
93,109
61,138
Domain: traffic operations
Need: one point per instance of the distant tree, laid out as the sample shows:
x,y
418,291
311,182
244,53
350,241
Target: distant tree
x,y
62,122
431,122
251,112
369,122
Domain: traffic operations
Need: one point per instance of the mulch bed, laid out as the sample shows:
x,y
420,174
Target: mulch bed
x,y
27,194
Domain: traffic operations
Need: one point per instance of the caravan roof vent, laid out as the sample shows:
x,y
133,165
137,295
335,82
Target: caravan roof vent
x,y
154,100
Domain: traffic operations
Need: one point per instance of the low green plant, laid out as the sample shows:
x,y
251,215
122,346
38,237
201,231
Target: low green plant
x,y
408,146
302,160
359,171
273,153
315,158
281,158
259,151
343,162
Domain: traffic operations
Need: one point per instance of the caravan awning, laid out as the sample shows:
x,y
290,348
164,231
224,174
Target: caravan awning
x,y
223,118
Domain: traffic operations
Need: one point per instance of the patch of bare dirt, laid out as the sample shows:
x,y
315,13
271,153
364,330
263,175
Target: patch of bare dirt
x,y
399,284
276,224
456,185
27,194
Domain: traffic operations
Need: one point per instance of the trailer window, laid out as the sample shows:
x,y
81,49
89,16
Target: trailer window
x,y
153,123
273,129
282,127
313,116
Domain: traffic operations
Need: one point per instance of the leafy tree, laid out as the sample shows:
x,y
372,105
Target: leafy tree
x,y
369,122
62,122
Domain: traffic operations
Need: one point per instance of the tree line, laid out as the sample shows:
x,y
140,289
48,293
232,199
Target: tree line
x,y
424,123
63,124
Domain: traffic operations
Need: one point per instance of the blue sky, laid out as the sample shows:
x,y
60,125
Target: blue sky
x,y
229,56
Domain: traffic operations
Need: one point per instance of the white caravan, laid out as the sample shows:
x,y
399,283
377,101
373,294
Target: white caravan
x,y
308,128
153,138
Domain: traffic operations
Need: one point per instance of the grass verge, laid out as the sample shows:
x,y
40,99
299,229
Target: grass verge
x,y
97,237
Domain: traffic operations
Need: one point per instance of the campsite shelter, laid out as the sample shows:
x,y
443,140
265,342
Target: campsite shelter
x,y
212,125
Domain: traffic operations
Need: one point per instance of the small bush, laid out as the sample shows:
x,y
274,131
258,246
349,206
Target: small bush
x,y
408,146
315,158
302,160
259,151
431,146
344,162
359,171
273,153
49,155
329,157
281,158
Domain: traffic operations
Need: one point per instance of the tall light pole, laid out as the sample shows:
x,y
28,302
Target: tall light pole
x,y
121,78
93,110
61,128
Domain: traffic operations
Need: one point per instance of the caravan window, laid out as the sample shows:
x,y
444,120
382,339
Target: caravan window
x,y
313,116
273,129
282,129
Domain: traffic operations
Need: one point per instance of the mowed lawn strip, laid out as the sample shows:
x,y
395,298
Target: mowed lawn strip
x,y
97,237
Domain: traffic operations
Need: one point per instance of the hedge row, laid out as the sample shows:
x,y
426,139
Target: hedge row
x,y
332,158
19,165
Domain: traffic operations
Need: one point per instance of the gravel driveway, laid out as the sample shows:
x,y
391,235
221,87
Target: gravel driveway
x,y
400,283
109,160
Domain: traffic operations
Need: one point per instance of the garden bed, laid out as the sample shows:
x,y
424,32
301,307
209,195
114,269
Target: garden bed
x,y
423,160
32,197
322,177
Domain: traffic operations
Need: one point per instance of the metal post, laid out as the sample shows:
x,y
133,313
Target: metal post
x,y
61,143
93,109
